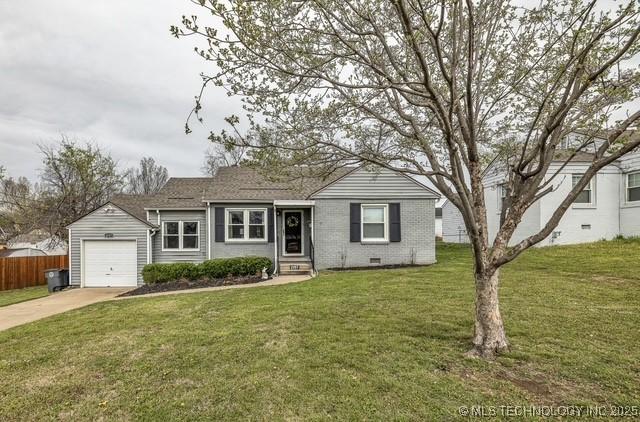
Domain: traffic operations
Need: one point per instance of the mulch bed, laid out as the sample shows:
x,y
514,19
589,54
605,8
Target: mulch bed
x,y
191,284
379,267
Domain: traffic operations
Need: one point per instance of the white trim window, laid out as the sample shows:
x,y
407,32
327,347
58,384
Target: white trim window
x,y
586,196
375,222
246,225
181,235
633,187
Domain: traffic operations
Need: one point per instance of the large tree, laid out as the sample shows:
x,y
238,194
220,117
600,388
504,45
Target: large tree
x,y
74,180
217,155
148,178
431,88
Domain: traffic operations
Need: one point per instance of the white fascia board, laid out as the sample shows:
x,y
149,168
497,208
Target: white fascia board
x,y
294,203
238,201
176,209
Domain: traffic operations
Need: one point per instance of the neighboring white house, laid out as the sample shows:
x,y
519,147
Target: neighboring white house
x,y
439,222
453,228
15,253
609,207
38,240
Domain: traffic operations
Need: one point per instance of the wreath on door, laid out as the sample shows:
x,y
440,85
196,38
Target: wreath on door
x,y
293,221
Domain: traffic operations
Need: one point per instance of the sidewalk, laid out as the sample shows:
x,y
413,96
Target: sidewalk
x,y
285,279
56,303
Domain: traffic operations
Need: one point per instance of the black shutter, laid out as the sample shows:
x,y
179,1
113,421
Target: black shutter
x,y
354,232
219,222
270,225
394,222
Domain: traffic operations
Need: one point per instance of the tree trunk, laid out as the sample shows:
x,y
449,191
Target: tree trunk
x,y
489,338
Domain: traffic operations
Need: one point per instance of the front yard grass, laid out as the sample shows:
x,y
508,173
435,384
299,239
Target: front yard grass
x,y
9,297
384,344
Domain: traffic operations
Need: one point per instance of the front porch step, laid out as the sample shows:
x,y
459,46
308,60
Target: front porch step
x,y
295,266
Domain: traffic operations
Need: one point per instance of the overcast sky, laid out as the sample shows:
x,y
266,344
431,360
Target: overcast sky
x,y
107,71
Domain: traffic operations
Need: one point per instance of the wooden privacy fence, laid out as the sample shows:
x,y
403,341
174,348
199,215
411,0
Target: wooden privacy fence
x,y
27,271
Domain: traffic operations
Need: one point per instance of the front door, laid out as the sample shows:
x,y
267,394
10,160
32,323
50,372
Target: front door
x,y
292,228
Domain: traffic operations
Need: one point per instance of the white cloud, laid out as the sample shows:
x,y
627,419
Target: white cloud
x,y
103,71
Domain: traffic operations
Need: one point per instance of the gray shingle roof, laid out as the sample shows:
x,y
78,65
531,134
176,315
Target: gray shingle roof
x,y
181,192
243,183
133,204
580,156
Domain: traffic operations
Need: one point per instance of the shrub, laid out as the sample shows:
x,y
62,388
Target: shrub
x,y
214,268
162,273
224,267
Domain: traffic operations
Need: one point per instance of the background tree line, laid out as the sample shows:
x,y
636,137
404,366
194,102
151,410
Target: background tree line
x,y
76,177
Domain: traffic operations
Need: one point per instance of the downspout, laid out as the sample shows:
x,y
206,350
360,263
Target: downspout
x,y
150,234
208,237
149,246
275,240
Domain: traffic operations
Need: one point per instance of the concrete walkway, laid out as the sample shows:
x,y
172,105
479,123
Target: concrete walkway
x,y
56,303
284,279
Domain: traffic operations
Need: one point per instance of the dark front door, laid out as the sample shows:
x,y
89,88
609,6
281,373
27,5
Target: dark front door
x,y
292,221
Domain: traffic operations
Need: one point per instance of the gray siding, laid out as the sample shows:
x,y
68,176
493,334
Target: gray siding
x,y
175,255
95,225
382,184
333,248
234,249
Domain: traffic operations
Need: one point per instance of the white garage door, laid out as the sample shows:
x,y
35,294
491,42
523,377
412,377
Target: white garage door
x,y
110,263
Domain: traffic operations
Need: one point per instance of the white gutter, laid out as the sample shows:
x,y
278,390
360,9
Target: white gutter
x,y
239,201
176,209
294,203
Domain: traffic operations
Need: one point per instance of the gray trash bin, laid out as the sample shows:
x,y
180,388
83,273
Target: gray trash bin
x,y
57,278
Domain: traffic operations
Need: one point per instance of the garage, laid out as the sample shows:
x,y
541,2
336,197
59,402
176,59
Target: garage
x,y
109,263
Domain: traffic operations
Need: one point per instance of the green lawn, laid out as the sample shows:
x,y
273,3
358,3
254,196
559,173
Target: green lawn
x,y
9,297
356,345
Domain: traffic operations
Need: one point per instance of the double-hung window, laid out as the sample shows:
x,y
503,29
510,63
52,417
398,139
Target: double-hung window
x,y
181,235
586,196
633,187
375,223
248,224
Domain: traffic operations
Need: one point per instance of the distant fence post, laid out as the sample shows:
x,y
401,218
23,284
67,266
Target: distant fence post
x,y
28,271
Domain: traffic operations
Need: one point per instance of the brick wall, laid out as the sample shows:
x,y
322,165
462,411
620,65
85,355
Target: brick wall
x,y
333,248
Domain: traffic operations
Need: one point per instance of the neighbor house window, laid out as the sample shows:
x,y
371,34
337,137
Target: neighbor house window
x,y
375,220
502,195
586,196
181,235
246,224
633,187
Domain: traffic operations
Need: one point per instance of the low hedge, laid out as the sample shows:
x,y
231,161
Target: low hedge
x,y
214,268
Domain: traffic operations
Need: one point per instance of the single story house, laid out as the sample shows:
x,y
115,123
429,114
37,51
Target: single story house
x,y
41,240
608,207
357,217
20,252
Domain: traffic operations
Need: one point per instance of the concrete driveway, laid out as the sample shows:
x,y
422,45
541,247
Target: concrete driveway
x,y
56,303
